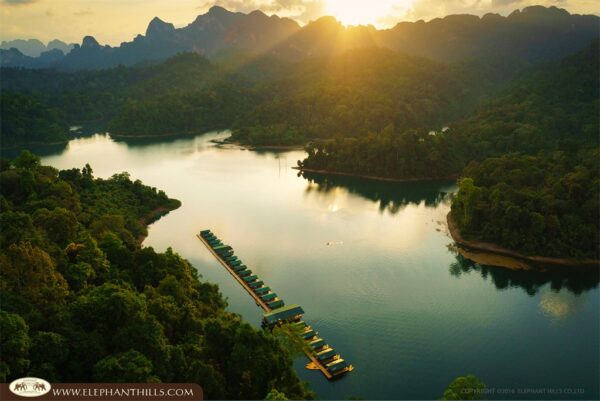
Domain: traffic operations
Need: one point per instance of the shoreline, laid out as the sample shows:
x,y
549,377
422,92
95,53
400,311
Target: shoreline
x,y
274,147
256,147
147,136
534,261
152,217
376,178
25,145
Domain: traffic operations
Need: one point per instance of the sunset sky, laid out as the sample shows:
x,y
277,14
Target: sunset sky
x,y
113,21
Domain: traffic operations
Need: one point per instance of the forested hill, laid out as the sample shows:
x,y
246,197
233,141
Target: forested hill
x,y
266,101
82,301
54,100
365,90
553,107
27,119
542,200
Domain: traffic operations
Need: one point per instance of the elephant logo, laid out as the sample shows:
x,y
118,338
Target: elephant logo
x,y
29,387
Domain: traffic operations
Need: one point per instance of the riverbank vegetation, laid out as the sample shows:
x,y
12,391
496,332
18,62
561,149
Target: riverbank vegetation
x,y
366,111
27,119
83,301
547,204
365,90
532,182
349,94
468,387
552,107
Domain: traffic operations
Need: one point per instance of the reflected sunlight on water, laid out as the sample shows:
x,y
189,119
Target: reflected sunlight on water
x,y
406,311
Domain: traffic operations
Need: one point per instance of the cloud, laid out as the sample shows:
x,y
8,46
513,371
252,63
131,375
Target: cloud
x,y
18,2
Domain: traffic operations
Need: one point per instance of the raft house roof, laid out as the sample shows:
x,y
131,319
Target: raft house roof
x,y
262,290
268,297
251,278
222,248
325,354
282,314
256,284
276,304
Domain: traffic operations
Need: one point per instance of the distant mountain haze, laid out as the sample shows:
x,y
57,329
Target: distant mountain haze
x,y
34,47
533,34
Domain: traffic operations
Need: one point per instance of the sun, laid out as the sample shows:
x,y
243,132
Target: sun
x,y
360,12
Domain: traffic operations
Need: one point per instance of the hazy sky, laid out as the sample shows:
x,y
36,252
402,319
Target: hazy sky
x,y
115,21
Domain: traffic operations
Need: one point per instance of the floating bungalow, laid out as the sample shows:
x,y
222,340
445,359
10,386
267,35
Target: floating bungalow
x,y
322,356
255,284
262,290
286,314
244,273
268,297
325,354
307,335
317,343
276,304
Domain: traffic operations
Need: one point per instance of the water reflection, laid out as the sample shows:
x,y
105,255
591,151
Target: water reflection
x,y
77,132
134,142
390,196
380,297
559,305
40,150
575,281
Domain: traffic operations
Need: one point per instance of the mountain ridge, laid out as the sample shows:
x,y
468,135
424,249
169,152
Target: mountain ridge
x,y
534,33
35,47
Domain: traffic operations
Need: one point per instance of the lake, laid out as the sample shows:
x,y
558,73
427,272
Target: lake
x,y
370,264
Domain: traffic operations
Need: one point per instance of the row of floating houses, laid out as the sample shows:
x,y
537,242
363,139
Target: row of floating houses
x,y
323,357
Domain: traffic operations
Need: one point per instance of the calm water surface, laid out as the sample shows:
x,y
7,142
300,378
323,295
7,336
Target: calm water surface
x,y
369,262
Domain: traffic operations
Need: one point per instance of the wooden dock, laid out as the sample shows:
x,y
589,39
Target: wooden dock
x,y
257,299
314,363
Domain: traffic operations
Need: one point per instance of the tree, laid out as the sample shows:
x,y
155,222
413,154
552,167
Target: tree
x,y
49,351
276,395
17,227
126,367
14,342
30,272
60,225
465,388
26,160
128,313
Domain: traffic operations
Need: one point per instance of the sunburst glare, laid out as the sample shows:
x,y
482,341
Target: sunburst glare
x,y
360,12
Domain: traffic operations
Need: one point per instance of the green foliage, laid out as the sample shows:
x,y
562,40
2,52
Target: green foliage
x,y
357,92
14,341
49,352
540,205
468,387
350,94
276,395
26,119
30,272
181,112
545,204
553,107
83,301
126,367
412,154
97,96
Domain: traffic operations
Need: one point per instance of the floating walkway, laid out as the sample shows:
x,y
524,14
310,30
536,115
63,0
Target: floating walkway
x,y
322,356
